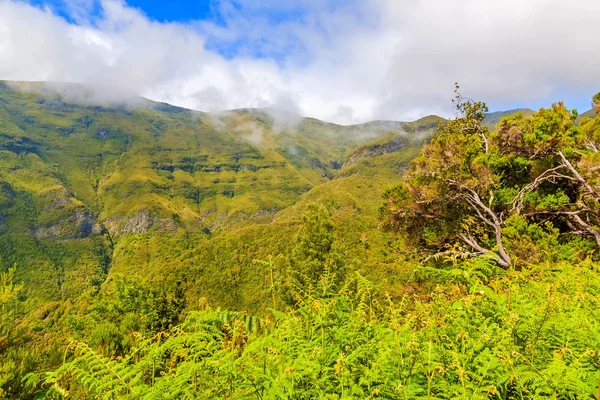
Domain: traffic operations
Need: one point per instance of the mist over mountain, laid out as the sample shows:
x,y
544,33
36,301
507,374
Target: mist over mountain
x,y
346,62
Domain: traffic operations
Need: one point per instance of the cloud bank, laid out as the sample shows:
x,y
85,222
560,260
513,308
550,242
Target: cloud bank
x,y
342,61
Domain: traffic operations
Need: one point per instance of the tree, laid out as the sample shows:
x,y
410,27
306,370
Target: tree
x,y
596,102
160,306
8,302
447,195
316,251
470,184
561,163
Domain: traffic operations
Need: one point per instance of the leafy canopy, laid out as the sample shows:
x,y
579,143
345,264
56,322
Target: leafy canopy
x,y
470,186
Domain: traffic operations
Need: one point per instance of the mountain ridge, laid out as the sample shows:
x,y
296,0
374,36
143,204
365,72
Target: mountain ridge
x,y
213,204
88,190
54,87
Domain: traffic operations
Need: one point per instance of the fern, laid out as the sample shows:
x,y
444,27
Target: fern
x,y
507,337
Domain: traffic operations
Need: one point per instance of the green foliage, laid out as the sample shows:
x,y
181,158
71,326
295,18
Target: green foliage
x,y
8,300
126,223
160,194
164,308
520,335
316,249
158,308
90,192
511,195
108,339
8,304
596,101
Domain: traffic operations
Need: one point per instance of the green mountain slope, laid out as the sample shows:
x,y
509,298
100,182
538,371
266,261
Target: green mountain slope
x,y
492,119
221,267
588,114
121,217
89,192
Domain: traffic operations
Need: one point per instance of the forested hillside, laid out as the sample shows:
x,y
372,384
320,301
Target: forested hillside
x,y
91,191
425,259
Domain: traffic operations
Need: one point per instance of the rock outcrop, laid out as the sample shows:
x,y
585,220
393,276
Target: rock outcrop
x,y
139,222
376,150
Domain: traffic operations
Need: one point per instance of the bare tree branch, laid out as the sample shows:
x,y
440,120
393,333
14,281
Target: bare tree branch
x,y
587,227
591,146
577,175
485,141
468,239
473,204
559,212
493,221
473,243
547,175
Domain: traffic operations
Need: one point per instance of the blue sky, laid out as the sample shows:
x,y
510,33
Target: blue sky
x,y
345,61
175,10
213,12
172,10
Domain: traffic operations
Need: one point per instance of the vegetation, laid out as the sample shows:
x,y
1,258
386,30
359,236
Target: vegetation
x,y
502,194
127,234
497,335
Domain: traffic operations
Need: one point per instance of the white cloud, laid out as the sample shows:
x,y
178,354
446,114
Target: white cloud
x,y
345,62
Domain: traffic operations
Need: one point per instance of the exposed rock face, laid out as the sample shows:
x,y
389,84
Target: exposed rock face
x,y
334,165
249,167
102,134
107,133
48,232
377,150
59,202
85,223
63,218
140,222
78,225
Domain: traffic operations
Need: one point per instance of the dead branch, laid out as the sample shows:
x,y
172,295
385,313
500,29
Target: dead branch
x,y
578,176
482,250
549,174
591,146
587,227
492,220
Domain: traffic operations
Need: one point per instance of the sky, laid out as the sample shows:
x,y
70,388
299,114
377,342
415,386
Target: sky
x,y
344,61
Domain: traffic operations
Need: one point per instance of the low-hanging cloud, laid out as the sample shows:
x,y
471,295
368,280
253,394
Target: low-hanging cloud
x,y
344,62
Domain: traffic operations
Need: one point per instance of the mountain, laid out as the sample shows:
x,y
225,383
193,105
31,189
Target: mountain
x,y
88,192
162,197
492,119
588,114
